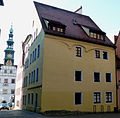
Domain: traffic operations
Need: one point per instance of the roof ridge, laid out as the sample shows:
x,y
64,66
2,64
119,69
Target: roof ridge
x,y
59,8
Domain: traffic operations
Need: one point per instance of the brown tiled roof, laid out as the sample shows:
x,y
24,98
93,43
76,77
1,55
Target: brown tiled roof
x,y
67,18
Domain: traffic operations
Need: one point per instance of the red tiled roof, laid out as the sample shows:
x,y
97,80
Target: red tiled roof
x,y
67,18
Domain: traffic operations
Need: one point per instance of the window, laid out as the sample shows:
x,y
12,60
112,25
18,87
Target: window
x,y
32,98
10,71
29,77
34,76
97,97
25,99
37,74
91,34
78,75
4,91
13,81
105,55
35,53
30,58
78,98
97,54
78,51
33,57
108,77
28,98
5,80
12,91
108,97
95,35
96,77
38,52
5,71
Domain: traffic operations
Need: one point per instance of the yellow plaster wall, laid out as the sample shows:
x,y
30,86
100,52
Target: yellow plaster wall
x,y
59,63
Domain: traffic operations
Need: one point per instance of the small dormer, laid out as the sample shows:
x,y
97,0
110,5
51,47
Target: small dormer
x,y
55,26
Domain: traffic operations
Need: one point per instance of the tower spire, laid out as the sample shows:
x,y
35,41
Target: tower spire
x,y
9,52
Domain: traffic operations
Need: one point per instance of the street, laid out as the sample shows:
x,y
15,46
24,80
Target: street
x,y
28,114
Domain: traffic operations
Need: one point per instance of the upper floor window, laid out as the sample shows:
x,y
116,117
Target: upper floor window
x,y
97,97
96,35
96,76
97,53
108,77
12,91
55,26
5,80
5,71
78,75
37,71
38,52
4,91
78,51
11,71
105,55
12,80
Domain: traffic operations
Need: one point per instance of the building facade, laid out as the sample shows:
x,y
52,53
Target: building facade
x,y
8,73
117,43
70,65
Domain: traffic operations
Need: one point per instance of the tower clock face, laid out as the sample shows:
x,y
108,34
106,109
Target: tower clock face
x,y
9,63
9,56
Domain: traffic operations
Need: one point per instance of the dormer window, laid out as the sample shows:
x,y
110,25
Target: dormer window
x,y
93,33
55,26
96,35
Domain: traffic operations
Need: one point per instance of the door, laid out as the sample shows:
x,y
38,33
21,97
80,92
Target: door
x,y
36,100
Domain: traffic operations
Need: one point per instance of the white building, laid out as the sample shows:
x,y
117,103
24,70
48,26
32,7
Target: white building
x,y
8,73
7,83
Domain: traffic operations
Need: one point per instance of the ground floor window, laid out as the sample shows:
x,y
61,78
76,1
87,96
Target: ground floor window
x,y
108,97
97,97
78,98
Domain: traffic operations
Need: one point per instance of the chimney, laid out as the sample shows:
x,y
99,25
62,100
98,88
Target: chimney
x,y
115,39
79,11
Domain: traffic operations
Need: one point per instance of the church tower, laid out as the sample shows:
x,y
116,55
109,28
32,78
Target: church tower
x,y
9,52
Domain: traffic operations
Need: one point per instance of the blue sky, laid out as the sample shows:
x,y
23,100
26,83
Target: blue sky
x,y
105,13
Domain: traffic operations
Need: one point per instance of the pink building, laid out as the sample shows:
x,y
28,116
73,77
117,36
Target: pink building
x,y
117,43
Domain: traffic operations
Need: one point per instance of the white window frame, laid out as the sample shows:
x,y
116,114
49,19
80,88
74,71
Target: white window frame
x,y
81,99
95,53
76,52
107,55
81,75
100,97
94,79
106,99
111,77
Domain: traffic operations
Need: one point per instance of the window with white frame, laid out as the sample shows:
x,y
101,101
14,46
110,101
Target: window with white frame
x,y
96,76
78,75
108,97
78,98
97,54
97,97
78,51
108,77
105,55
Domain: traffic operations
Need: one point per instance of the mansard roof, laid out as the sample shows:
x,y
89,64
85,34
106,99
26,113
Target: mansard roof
x,y
73,23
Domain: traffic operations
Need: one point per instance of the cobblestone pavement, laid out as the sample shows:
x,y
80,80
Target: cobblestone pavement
x,y
28,114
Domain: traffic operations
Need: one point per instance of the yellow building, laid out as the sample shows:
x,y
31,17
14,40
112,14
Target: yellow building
x,y
75,70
